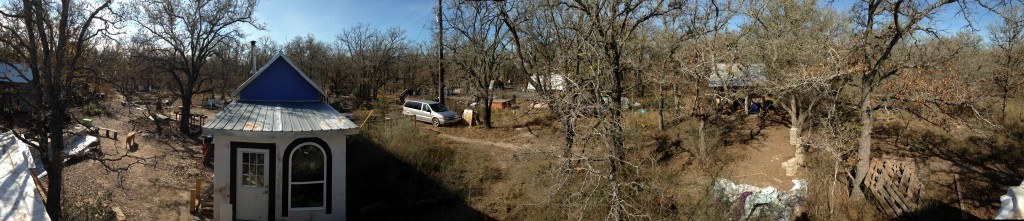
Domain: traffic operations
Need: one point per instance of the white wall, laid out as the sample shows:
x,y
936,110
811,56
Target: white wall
x,y
222,178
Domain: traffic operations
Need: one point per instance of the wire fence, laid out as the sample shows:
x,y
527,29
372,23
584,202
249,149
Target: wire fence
x,y
387,123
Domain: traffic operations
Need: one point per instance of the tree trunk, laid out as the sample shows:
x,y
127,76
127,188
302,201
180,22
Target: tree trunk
x,y
702,144
570,134
795,124
569,123
675,97
487,111
616,198
661,108
56,169
186,113
1002,117
746,103
617,147
864,147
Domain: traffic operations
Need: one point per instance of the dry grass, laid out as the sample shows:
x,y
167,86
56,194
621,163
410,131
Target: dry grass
x,y
390,175
534,184
531,183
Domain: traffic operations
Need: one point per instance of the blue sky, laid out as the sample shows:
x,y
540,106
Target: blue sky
x,y
325,19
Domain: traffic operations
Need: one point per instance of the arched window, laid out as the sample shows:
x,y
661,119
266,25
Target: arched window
x,y
308,177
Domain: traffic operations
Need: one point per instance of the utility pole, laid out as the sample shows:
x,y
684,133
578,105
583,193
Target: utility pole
x,y
440,53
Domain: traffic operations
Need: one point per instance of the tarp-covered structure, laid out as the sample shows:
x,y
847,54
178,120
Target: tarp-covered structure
x,y
733,75
19,199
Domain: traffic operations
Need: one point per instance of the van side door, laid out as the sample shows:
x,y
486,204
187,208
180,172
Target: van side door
x,y
424,114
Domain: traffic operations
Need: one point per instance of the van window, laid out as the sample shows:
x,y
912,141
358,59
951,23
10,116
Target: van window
x,y
438,107
425,108
412,104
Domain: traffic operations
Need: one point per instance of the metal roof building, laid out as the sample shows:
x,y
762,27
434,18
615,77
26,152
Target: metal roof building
x,y
284,102
14,73
279,150
285,119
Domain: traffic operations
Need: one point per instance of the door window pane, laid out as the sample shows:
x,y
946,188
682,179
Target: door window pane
x,y
252,169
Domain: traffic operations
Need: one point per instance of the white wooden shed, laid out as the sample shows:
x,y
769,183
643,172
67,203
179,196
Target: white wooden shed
x,y
279,150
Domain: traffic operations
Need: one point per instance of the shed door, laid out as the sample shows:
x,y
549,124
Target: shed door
x,y
253,190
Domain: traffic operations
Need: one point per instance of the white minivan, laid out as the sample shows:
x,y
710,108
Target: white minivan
x,y
430,111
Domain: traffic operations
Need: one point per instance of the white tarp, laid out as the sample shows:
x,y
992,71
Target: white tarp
x,y
213,104
760,203
1013,203
18,197
79,145
553,82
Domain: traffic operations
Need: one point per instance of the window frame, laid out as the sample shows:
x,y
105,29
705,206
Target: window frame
x,y
247,165
323,187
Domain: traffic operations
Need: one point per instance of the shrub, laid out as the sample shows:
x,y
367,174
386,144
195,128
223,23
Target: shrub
x,y
97,209
94,110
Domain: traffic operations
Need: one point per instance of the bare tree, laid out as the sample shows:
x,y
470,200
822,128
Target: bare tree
x,y
799,45
373,55
188,33
698,58
479,48
228,61
49,39
608,31
1008,37
313,56
879,27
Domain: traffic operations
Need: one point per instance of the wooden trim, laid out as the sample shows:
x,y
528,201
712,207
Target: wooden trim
x,y
39,185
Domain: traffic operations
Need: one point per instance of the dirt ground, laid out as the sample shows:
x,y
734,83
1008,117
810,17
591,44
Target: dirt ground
x,y
759,161
152,182
148,182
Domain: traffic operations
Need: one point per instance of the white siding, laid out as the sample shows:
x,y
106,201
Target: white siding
x,y
222,178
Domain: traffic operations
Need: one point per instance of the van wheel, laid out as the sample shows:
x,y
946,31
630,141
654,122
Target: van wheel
x,y
435,122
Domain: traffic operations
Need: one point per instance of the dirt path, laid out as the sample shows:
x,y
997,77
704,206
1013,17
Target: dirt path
x,y
760,162
481,142
502,156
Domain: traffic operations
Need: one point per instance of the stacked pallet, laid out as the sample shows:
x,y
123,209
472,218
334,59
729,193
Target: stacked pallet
x,y
894,185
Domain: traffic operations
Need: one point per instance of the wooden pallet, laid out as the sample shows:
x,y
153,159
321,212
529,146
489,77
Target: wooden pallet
x,y
894,185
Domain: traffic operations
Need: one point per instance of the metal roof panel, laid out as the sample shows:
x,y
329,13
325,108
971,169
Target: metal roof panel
x,y
274,116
